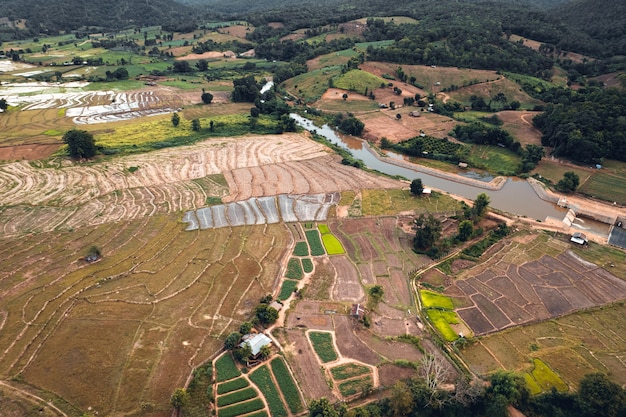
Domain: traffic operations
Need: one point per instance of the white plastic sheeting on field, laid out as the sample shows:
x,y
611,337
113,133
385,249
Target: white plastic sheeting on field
x,y
263,210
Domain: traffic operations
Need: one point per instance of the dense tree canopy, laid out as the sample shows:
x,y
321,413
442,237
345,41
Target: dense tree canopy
x,y
80,143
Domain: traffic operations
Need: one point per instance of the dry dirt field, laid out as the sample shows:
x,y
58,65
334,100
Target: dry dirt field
x,y
132,325
517,284
385,124
520,125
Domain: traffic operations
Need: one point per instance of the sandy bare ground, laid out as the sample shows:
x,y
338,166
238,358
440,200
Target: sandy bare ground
x,y
385,124
207,55
520,125
29,152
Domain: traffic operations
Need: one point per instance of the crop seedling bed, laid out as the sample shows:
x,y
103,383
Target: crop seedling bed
x,y
441,322
313,237
236,397
431,299
288,287
287,385
241,408
226,368
262,379
307,265
232,385
355,386
301,249
323,345
332,244
350,370
294,269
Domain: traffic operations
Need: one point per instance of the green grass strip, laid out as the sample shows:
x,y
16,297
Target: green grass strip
x,y
287,385
262,378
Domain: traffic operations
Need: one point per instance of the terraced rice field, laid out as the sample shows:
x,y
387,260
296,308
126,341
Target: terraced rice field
x,y
132,325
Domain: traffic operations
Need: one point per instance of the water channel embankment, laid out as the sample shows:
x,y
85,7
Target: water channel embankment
x,y
511,195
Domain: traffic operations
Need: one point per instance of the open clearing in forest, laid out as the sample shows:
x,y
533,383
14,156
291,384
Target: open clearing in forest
x,y
531,281
132,325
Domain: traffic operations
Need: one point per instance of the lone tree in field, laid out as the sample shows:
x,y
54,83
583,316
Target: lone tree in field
x,y
417,188
3,104
175,119
428,231
179,399
195,125
480,206
80,143
207,98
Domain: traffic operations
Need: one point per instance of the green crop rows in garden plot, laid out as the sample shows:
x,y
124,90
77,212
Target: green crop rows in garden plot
x,y
233,385
289,286
323,345
262,378
349,370
294,269
241,408
314,243
287,385
307,265
355,386
236,397
433,146
226,368
301,249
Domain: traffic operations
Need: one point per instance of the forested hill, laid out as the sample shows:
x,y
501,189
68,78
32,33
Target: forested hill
x,y
51,16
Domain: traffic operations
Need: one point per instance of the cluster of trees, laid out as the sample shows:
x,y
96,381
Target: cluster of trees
x,y
428,228
585,126
596,397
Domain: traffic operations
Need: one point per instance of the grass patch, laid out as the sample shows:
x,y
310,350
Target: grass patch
x,y
546,378
442,320
604,256
494,159
262,379
236,397
349,370
241,408
289,286
313,237
226,368
287,385
391,202
323,345
432,299
606,185
294,269
232,385
307,265
355,386
301,249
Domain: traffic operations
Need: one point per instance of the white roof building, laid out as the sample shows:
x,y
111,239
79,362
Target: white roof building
x,y
256,342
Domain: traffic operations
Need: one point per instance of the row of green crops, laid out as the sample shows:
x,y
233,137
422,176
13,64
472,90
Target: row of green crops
x,y
428,146
287,385
331,243
226,368
314,243
289,286
349,370
241,408
354,386
307,265
323,345
233,385
294,269
301,249
262,378
236,397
